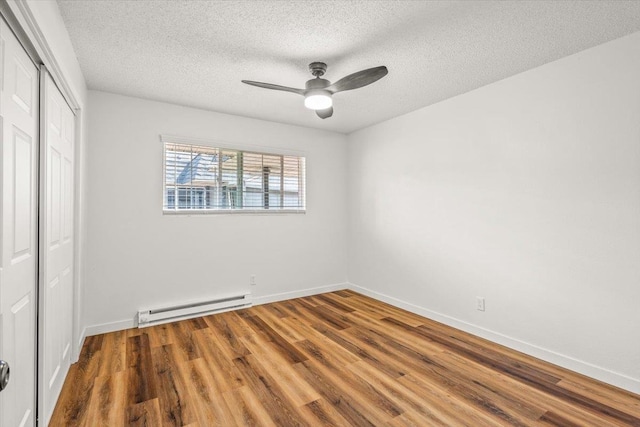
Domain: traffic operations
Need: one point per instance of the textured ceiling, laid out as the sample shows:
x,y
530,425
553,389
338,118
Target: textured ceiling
x,y
195,53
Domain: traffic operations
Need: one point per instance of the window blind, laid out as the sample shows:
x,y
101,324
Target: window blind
x,y
219,179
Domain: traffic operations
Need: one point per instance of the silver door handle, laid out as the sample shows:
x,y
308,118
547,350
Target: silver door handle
x,y
4,374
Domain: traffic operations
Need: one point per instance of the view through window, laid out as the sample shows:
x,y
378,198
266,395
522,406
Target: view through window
x,y
219,179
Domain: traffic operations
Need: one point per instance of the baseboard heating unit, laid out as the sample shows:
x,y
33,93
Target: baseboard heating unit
x,y
187,311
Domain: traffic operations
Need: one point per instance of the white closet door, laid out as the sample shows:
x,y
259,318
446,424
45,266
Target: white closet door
x,y
18,231
56,223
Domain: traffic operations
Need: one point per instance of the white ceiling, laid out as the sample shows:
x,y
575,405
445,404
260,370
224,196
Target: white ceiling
x,y
195,53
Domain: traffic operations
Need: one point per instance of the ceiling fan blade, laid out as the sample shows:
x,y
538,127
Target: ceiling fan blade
x,y
274,87
326,113
359,79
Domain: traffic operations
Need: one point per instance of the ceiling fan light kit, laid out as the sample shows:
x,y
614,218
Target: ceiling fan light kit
x,y
318,92
318,100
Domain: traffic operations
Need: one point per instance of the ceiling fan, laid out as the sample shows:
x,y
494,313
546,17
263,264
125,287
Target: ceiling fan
x,y
318,92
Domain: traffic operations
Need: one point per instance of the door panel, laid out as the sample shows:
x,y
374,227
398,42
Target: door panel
x,y
57,255
67,196
24,84
23,184
54,197
18,209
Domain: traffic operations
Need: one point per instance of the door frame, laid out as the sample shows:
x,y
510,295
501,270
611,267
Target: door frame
x,y
22,21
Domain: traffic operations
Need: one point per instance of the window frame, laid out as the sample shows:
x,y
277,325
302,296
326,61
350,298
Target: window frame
x,y
222,145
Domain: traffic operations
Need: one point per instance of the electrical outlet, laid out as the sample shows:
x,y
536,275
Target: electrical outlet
x,y
252,280
480,303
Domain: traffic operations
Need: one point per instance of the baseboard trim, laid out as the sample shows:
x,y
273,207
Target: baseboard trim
x,y
119,325
582,367
83,335
265,299
104,328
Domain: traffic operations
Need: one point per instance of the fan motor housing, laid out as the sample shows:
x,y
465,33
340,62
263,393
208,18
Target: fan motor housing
x,y
317,83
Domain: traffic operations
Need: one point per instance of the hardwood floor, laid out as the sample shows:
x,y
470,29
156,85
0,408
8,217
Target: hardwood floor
x,y
334,359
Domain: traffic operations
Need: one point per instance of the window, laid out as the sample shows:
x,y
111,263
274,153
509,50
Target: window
x,y
219,179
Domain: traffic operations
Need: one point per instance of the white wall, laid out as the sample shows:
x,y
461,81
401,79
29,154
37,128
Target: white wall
x,y
138,258
525,192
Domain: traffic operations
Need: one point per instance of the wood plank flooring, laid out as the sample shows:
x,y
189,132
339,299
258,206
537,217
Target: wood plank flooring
x,y
335,359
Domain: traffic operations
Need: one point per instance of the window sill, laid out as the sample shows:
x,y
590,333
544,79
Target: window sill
x,y
190,212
